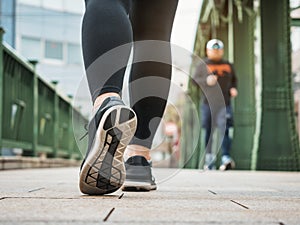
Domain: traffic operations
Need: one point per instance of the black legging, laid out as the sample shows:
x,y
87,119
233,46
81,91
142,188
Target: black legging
x,y
108,24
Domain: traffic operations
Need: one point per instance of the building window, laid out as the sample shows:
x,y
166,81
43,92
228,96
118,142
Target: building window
x,y
31,48
74,54
53,50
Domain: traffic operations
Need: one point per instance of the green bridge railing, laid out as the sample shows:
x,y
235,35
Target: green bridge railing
x,y
34,116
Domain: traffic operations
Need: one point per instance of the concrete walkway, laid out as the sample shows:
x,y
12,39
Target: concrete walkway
x,y
51,196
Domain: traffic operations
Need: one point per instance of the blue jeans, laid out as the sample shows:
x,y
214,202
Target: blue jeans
x,y
223,120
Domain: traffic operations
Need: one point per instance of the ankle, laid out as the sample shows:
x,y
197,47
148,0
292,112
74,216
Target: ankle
x,y
99,100
137,150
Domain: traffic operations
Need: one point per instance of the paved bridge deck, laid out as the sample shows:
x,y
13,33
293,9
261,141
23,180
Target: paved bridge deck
x,y
51,196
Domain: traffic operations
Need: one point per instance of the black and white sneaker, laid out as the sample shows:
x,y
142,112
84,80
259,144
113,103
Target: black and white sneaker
x,y
110,131
138,175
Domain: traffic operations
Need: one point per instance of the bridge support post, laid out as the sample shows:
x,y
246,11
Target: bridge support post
x,y
244,104
278,145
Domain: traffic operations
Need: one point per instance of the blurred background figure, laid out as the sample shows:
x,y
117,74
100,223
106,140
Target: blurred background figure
x,y
220,72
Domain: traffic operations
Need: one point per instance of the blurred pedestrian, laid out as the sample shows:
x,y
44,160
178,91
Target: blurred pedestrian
x,y
219,72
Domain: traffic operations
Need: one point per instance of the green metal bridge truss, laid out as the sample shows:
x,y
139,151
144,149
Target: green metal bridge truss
x,y
265,136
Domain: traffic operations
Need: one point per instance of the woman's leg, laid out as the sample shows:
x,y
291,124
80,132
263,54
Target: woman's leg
x,y
151,20
106,25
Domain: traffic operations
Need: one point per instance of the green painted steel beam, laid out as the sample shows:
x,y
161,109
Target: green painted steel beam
x,y
244,104
278,147
1,85
16,144
56,123
295,22
35,110
70,132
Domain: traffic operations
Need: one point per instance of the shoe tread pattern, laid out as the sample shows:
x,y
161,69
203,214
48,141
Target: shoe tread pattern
x,y
107,173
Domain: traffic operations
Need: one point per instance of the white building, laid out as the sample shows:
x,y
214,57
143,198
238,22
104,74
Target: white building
x,y
49,31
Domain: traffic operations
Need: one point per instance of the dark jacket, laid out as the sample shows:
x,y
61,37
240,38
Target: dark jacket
x,y
226,76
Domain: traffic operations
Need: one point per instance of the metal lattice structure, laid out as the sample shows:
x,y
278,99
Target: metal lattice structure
x,y
265,137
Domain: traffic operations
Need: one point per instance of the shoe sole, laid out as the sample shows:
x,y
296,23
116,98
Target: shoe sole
x,y
103,171
137,186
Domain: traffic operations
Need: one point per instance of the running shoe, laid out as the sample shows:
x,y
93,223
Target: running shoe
x,y
138,175
110,131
